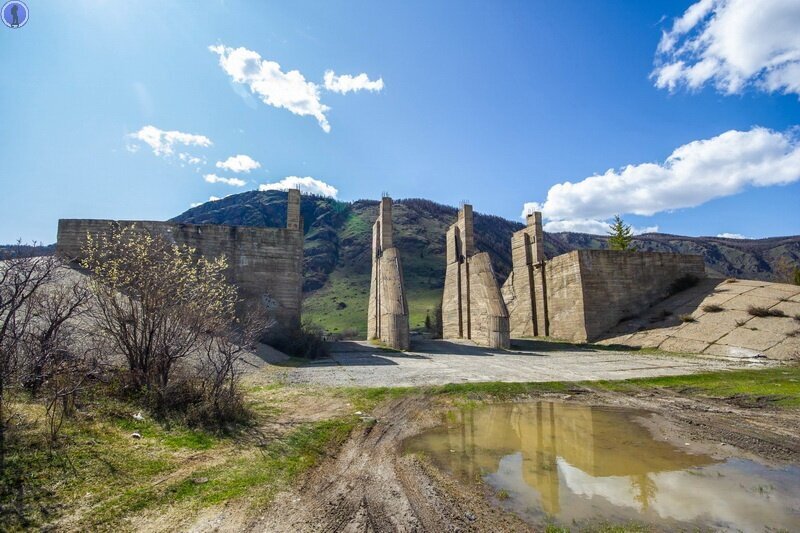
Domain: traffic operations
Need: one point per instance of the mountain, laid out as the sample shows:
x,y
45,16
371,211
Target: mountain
x,y
339,235
8,251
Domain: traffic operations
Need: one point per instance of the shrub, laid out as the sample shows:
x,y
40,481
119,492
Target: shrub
x,y
764,312
306,340
682,283
687,318
350,333
712,308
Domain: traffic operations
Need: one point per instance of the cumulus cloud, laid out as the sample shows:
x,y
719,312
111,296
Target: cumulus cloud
x,y
287,90
239,163
234,182
308,185
588,225
732,44
163,142
732,236
692,175
346,83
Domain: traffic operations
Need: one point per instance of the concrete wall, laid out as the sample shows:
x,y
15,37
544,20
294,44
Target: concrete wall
x,y
387,311
619,285
264,263
472,305
579,295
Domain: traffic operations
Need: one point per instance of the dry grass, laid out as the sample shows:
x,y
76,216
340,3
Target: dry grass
x,y
764,312
712,308
687,318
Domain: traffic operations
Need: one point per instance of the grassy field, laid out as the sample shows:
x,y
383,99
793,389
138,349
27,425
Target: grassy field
x,y
341,305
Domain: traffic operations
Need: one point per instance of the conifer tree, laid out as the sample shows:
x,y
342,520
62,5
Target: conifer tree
x,y
620,236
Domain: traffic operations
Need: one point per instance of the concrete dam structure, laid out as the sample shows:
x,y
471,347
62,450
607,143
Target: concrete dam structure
x,y
387,314
472,306
266,264
580,295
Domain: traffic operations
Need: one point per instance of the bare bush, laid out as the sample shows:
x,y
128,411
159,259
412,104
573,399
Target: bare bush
x,y
221,366
157,302
21,279
306,340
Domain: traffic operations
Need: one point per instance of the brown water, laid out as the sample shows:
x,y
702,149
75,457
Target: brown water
x,y
571,465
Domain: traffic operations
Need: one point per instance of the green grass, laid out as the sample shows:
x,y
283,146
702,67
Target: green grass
x,y
780,385
259,476
322,307
103,477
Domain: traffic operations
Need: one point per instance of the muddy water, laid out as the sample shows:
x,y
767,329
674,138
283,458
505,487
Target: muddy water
x,y
572,465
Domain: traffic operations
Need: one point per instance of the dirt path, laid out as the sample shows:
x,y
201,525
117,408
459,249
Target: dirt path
x,y
371,486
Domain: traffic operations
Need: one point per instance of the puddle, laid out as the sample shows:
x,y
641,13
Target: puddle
x,y
571,465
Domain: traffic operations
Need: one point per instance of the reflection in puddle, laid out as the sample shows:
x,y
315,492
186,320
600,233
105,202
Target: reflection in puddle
x,y
577,464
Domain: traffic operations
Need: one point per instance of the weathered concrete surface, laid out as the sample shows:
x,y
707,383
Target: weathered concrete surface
x,y
264,263
580,295
387,313
440,362
731,331
472,306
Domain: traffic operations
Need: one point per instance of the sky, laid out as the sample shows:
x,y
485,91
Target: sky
x,y
681,116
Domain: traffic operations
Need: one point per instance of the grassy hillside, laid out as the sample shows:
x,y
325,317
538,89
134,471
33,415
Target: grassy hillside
x,y
338,245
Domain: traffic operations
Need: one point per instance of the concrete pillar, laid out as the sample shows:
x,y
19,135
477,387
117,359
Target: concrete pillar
x,y
472,306
387,310
536,234
385,218
293,218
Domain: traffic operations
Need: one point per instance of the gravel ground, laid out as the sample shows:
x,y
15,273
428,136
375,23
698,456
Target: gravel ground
x,y
355,363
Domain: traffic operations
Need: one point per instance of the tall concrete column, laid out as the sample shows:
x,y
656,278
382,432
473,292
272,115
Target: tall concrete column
x,y
472,306
293,218
387,313
525,292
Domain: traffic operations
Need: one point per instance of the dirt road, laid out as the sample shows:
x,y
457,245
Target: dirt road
x,y
372,486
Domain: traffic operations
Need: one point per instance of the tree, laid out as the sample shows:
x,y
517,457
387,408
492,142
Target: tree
x,y
156,301
620,236
21,279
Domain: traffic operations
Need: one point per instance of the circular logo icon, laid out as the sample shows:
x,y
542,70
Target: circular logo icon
x,y
14,14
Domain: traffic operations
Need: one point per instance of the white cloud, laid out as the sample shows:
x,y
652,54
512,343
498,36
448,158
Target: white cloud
x,y
588,225
307,185
190,159
732,44
346,83
692,175
732,236
210,199
239,163
163,142
288,90
234,182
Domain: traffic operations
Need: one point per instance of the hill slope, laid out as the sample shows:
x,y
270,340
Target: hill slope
x,y
338,244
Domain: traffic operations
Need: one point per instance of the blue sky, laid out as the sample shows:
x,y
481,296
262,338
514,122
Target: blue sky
x,y
497,103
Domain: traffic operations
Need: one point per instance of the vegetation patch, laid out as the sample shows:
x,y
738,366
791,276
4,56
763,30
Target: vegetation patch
x,y
780,385
765,312
713,308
